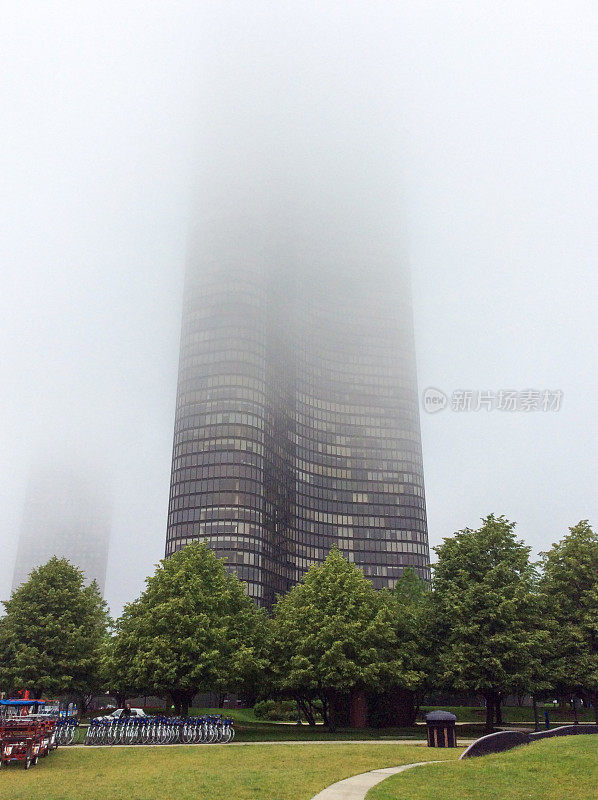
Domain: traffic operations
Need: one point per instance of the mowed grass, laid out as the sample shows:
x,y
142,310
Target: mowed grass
x,y
248,728
561,768
514,714
269,772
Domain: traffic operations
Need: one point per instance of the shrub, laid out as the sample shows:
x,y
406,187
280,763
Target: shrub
x,y
276,710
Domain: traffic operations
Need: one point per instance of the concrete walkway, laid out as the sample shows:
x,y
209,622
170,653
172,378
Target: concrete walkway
x,y
358,786
411,742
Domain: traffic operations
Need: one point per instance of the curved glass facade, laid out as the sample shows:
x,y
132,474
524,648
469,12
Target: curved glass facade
x,y
297,427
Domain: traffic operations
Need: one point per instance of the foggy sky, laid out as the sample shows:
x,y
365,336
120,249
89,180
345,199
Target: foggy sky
x,y
477,122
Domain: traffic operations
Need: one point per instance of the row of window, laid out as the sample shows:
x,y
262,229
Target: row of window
x,y
346,512
205,382
389,521
196,453
382,570
255,540
329,535
186,402
238,473
383,546
191,363
224,399
350,425
184,454
222,431
359,370
348,433
333,531
202,341
414,481
247,492
372,563
308,468
189,378
219,418
376,491
314,404
369,430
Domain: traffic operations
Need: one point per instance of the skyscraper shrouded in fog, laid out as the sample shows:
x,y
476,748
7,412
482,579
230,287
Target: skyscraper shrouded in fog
x,y
297,417
297,422
66,514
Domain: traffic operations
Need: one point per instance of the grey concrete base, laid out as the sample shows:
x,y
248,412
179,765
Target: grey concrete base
x,y
358,786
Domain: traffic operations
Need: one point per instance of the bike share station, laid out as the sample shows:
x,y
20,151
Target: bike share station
x,y
141,729
31,729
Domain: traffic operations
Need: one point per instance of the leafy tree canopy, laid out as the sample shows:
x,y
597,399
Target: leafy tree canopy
x,y
53,633
193,629
334,632
413,609
487,632
569,590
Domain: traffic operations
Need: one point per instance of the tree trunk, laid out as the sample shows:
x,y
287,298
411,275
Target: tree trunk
x,y
489,698
595,704
575,717
358,709
306,707
417,701
221,699
498,707
325,710
536,717
181,701
331,712
83,703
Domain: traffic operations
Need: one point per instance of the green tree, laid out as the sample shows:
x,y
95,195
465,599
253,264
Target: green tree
x,y
334,634
569,589
411,591
412,612
192,629
53,633
487,631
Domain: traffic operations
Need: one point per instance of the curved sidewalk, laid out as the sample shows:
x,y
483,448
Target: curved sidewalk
x,y
358,786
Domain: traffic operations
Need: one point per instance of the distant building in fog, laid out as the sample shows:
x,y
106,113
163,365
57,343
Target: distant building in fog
x,y
65,514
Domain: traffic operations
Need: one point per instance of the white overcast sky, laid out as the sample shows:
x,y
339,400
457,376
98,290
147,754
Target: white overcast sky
x,y
490,119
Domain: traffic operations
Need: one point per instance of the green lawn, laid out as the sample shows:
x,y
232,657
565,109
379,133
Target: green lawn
x,y
271,772
560,768
240,715
514,714
248,728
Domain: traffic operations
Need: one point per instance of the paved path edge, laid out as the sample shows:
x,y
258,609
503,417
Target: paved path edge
x,y
280,742
356,787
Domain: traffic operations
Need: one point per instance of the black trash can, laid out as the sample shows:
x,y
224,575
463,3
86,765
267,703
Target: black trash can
x,y
441,729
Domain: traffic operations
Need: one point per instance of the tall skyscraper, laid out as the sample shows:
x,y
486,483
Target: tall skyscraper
x,y
297,422
297,417
66,514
